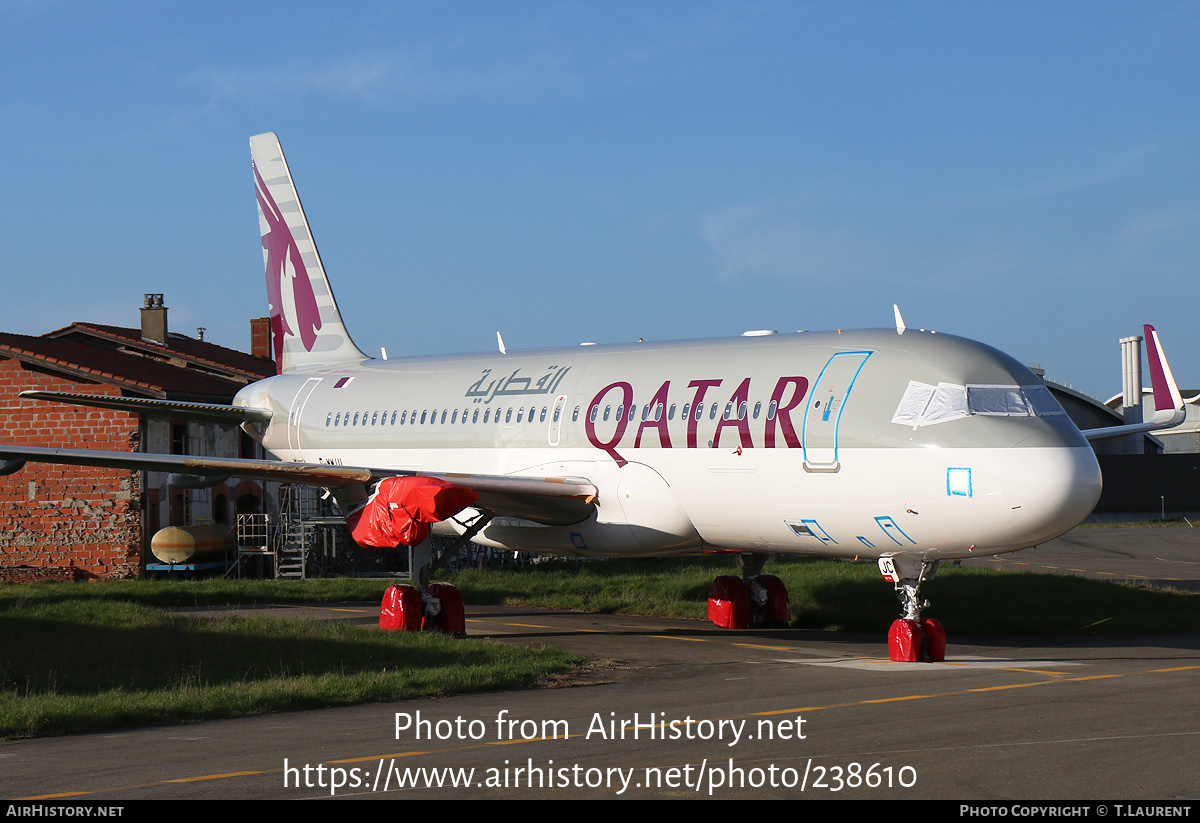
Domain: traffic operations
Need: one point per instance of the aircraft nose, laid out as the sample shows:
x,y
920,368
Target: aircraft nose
x,y
1060,488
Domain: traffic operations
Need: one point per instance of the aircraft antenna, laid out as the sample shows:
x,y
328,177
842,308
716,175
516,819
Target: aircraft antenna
x,y
900,327
500,341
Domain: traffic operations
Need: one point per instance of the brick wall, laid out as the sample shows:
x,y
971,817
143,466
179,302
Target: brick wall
x,y
79,517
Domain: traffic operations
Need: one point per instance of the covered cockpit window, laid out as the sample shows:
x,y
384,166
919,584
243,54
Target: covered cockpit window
x,y
1043,401
1000,401
949,402
926,405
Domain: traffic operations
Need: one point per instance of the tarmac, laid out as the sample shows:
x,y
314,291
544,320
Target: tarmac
x,y
686,710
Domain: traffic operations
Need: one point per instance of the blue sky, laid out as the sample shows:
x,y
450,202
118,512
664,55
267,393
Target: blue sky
x,y
1026,174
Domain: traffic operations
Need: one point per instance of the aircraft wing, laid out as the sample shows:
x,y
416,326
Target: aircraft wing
x,y
552,501
147,405
1168,402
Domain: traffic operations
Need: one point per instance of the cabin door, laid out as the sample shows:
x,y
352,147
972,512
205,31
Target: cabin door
x,y
824,412
297,411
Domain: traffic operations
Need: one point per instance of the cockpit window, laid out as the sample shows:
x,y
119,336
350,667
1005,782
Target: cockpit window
x,y
1043,402
926,405
1000,401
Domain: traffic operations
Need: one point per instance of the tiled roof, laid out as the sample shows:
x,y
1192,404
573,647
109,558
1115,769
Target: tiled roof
x,y
175,378
205,355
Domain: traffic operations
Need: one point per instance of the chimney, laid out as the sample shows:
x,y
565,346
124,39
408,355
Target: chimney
x,y
154,319
260,337
1131,379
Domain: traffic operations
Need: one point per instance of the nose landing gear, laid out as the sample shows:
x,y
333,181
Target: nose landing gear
x,y
912,639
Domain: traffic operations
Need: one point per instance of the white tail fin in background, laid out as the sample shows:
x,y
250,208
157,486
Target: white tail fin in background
x,y
306,327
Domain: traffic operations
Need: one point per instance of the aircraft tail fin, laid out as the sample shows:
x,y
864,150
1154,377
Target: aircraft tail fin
x,y
1168,402
306,326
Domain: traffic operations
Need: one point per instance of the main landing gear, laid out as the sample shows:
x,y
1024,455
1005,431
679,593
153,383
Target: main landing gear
x,y
911,639
754,599
428,607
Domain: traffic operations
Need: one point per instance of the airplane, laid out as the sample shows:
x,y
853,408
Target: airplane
x,y
904,446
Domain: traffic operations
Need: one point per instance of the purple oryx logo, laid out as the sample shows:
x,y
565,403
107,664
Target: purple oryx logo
x,y
289,290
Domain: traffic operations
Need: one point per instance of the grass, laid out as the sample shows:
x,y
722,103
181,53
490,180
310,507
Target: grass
x,y
80,657
1156,523
85,657
839,595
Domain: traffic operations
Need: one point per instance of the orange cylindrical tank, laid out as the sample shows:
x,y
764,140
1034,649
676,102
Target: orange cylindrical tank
x,y
188,544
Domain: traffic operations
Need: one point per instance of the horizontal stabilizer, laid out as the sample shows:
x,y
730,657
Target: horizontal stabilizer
x,y
146,405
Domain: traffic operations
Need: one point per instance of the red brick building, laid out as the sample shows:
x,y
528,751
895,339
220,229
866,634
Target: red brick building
x,y
64,521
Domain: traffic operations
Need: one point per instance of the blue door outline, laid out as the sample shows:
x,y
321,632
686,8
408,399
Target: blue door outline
x,y
826,402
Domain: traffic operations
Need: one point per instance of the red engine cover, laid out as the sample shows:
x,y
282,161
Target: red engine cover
x,y
399,511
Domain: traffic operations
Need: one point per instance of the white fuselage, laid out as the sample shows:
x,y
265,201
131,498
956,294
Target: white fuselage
x,y
794,444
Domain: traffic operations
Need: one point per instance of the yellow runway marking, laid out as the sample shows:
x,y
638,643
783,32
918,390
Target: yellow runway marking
x,y
757,646
212,777
801,710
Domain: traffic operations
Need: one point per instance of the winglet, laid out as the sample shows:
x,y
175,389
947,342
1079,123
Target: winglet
x,y
1168,402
